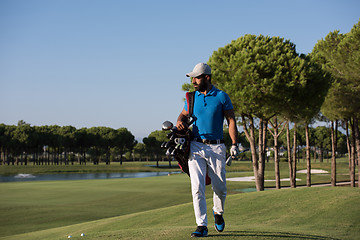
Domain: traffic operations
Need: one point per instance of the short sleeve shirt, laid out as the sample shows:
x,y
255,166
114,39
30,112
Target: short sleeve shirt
x,y
209,113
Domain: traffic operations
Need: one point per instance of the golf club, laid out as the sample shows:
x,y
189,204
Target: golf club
x,y
167,125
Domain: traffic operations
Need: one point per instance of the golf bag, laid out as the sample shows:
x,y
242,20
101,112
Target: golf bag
x,y
178,145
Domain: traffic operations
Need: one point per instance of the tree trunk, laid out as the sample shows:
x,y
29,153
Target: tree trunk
x,y
262,147
352,155
289,155
121,156
250,135
65,157
293,178
348,145
276,155
277,165
2,158
357,142
308,161
333,152
321,155
107,157
276,133
84,158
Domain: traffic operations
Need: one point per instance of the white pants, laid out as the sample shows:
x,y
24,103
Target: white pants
x,y
207,158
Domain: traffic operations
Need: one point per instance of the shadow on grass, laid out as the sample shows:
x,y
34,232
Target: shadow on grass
x,y
270,235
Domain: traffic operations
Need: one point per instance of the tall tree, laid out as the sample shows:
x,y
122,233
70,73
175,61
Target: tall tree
x,y
347,59
333,107
23,136
260,74
108,136
66,139
312,98
125,141
341,58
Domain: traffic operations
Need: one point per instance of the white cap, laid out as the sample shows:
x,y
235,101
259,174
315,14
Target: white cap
x,y
200,69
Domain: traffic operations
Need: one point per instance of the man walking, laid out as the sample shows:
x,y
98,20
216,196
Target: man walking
x,y
207,149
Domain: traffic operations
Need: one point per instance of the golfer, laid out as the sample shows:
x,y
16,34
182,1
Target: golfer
x,y
207,149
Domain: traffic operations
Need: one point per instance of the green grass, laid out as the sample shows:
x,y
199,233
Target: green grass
x,y
306,213
32,206
161,208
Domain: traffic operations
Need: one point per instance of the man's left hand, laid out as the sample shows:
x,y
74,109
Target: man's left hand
x,y
234,151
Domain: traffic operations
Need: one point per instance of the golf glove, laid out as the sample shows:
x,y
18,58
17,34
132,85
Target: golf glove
x,y
234,151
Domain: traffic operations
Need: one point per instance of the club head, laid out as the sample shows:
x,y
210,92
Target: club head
x,y
168,144
229,160
172,137
169,151
169,135
173,153
163,144
167,125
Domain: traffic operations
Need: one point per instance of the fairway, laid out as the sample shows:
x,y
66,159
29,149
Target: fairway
x,y
161,208
32,206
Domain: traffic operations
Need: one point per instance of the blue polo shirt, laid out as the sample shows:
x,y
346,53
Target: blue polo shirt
x,y
209,113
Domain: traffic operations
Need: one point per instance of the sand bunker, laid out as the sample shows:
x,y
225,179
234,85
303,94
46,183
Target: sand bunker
x,y
252,179
313,171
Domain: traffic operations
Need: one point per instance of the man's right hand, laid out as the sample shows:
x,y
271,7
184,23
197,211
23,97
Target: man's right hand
x,y
180,125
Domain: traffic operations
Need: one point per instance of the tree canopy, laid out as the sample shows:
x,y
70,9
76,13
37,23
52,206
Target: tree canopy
x,y
339,55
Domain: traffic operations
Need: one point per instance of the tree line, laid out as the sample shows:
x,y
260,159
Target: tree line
x,y
56,145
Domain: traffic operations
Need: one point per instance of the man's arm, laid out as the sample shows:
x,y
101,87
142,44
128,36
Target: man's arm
x,y
230,117
182,119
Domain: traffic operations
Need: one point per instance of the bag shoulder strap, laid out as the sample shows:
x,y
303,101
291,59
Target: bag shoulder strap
x,y
190,98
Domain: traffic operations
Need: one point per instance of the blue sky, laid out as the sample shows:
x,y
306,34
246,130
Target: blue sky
x,y
118,64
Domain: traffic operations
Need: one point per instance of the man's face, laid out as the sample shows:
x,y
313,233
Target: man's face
x,y
199,83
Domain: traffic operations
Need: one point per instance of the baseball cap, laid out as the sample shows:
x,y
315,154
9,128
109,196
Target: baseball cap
x,y
200,69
